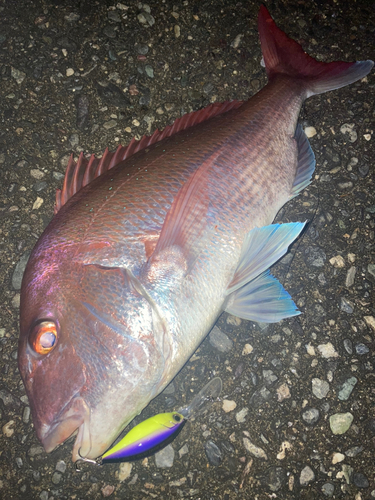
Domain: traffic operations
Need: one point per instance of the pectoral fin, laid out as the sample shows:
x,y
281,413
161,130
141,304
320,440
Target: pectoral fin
x,y
186,223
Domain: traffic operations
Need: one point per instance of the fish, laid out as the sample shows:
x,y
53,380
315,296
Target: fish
x,y
152,242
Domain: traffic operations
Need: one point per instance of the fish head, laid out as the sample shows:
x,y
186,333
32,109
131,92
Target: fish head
x,y
87,352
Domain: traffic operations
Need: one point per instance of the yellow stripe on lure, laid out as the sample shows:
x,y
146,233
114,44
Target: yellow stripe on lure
x,y
158,431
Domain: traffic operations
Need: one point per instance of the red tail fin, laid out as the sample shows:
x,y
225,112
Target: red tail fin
x,y
281,54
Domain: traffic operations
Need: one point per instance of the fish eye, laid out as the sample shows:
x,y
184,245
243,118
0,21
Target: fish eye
x,y
44,337
176,417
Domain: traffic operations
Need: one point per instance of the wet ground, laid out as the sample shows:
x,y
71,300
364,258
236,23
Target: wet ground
x,y
297,413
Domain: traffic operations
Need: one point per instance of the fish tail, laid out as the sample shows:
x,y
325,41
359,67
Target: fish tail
x,y
283,55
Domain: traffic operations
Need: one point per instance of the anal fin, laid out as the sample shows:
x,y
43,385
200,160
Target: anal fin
x,y
253,292
263,299
261,248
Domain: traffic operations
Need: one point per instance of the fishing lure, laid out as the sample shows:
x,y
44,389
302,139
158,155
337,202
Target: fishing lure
x,y
158,431
146,438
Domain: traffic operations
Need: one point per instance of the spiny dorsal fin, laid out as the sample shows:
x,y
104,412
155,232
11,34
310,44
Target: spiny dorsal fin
x,y
79,174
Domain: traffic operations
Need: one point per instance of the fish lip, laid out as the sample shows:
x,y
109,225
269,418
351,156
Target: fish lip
x,y
76,416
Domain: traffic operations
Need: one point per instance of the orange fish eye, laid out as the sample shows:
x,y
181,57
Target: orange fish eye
x,y
44,337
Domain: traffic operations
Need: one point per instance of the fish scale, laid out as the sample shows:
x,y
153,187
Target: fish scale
x,y
150,244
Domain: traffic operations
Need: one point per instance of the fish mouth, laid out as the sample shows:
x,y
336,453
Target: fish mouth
x,y
76,417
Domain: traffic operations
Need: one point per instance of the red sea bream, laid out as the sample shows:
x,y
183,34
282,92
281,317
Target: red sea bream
x,y
150,244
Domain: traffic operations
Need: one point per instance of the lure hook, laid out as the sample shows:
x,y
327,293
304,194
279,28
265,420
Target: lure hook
x,y
84,459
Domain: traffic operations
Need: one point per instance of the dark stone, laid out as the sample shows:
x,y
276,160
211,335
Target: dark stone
x,y
213,453
39,186
360,480
112,95
81,102
275,478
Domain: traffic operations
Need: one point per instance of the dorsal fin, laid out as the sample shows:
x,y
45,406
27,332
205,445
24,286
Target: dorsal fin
x,y
79,174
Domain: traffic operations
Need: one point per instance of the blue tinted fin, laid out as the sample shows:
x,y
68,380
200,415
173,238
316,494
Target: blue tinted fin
x,y
305,162
261,248
263,299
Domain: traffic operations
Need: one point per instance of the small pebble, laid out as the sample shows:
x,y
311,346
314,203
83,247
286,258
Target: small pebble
x,y
346,388
320,388
275,478
360,480
340,422
236,42
183,451
109,124
18,75
149,71
146,18
72,17
310,131
327,350
283,392
260,396
241,415
348,345
114,16
361,349
307,475
310,349
219,340
107,490
35,450
38,203
370,321
254,450
165,457
56,477
37,174
337,261
26,414
315,256
311,416
19,270
328,489
8,430
61,466
269,377
337,457
346,306
371,269
353,452
350,275
248,349
16,301
229,405
348,129
124,471
285,445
